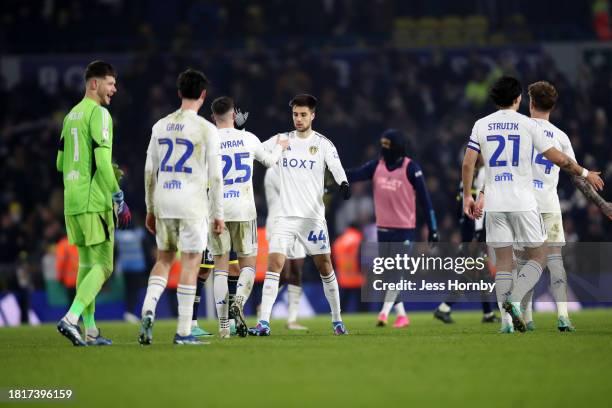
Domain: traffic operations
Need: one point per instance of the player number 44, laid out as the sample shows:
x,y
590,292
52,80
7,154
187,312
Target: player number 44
x,y
313,238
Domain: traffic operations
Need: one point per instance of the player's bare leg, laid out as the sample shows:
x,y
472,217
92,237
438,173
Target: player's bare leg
x,y
221,293
292,276
243,291
185,294
276,261
330,287
158,279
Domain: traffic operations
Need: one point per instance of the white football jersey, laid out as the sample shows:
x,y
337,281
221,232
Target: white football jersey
x,y
182,162
238,149
506,140
546,173
302,171
272,190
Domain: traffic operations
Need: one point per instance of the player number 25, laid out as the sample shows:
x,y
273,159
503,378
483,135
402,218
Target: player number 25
x,y
179,166
227,165
516,144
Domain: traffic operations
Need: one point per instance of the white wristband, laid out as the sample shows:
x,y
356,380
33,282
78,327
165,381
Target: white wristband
x,y
584,173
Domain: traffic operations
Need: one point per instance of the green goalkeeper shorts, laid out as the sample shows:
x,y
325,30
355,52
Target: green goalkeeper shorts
x,y
89,229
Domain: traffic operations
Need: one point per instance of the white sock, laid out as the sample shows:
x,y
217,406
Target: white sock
x,y
185,295
444,308
71,318
503,286
558,283
155,288
332,293
399,309
527,306
92,332
294,293
526,280
245,284
390,297
268,295
194,323
221,294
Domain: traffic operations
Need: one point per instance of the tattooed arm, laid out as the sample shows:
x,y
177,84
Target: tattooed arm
x,y
572,168
592,195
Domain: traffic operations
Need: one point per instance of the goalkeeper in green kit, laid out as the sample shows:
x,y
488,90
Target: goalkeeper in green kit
x,y
91,194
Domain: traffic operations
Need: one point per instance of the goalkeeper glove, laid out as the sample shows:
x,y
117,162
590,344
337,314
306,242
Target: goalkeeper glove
x,y
345,189
122,211
241,119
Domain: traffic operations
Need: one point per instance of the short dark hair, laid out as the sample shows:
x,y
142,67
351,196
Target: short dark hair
x,y
222,105
304,100
505,90
99,69
543,95
191,83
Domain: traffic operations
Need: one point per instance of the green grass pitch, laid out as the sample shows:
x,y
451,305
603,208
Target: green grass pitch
x,y
428,364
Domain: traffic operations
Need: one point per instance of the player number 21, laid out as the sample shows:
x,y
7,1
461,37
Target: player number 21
x,y
516,145
312,237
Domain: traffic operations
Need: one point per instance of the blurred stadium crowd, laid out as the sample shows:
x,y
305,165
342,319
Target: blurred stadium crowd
x,y
364,88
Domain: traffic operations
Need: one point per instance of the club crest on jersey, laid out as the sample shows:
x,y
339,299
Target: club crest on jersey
x,y
313,150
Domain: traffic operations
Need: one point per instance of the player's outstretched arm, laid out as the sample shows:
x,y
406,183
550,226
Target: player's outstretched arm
x,y
592,195
467,176
573,169
266,158
362,173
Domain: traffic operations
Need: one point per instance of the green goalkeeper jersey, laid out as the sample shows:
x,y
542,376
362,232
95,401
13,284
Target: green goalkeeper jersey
x,y
84,158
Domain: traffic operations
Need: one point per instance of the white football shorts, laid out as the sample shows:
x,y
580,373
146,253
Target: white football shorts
x,y
554,227
522,228
238,236
188,235
309,233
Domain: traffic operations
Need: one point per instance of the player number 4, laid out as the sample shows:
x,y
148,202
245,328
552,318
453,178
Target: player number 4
x,y
313,238
540,159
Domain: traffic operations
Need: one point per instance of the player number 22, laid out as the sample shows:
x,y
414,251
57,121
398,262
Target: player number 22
x,y
179,166
312,237
516,145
